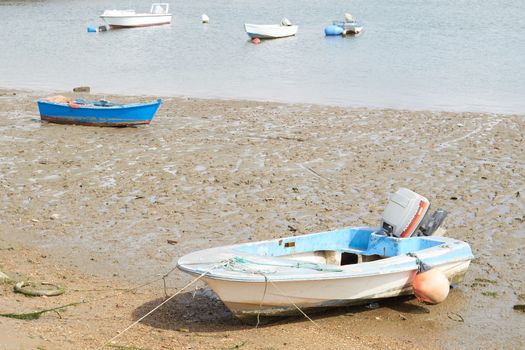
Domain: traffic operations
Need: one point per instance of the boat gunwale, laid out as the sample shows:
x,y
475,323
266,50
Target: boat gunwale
x,y
113,107
257,30
138,15
399,263
270,25
260,278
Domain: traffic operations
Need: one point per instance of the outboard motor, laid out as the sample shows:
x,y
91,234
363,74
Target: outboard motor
x,y
286,22
431,223
407,215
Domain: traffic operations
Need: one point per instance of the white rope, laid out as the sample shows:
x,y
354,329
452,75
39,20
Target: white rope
x,y
158,306
262,299
297,307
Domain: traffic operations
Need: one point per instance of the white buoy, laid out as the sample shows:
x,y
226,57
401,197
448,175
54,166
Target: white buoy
x,y
205,18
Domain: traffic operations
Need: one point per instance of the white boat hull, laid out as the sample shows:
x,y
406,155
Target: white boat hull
x,y
270,31
334,268
136,20
248,299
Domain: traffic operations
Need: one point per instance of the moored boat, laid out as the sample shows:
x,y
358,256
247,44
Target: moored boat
x,y
334,268
159,14
63,110
271,31
348,26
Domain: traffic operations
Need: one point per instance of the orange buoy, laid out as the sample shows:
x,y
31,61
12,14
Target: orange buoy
x,y
256,41
74,105
431,286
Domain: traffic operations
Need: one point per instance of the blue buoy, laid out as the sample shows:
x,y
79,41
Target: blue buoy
x,y
91,29
333,30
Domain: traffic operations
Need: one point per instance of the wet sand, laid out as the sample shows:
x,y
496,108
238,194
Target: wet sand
x,y
92,209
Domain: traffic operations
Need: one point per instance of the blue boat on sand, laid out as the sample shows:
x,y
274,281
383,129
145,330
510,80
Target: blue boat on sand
x,y
65,110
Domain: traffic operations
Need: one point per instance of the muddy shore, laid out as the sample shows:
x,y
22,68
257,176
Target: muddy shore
x,y
93,208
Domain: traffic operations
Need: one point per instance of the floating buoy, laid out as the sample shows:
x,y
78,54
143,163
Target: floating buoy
x,y
256,41
333,30
91,29
431,286
205,18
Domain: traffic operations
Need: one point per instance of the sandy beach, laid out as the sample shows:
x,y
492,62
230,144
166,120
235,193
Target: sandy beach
x,y
92,209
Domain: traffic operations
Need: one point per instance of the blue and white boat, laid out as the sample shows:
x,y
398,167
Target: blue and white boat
x,y
348,26
335,268
98,113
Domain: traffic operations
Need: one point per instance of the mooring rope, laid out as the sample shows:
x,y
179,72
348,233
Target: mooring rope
x,y
262,299
158,306
297,307
266,280
226,263
421,265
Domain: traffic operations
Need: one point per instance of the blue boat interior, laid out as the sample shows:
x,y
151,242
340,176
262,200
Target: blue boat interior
x,y
99,103
341,247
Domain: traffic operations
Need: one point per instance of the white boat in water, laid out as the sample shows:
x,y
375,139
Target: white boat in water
x,y
159,14
271,31
334,268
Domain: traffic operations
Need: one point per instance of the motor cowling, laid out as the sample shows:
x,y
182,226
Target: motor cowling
x,y
404,213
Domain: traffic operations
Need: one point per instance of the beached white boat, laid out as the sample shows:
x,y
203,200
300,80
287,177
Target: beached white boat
x,y
271,31
334,268
159,14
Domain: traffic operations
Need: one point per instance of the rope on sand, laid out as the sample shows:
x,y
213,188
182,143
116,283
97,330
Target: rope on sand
x,y
224,264
31,289
158,306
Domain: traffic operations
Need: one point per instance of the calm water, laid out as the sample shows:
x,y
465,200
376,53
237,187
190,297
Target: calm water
x,y
448,55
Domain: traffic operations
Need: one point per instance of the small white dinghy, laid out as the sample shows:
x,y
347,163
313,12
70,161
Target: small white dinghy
x,y
334,268
159,14
271,31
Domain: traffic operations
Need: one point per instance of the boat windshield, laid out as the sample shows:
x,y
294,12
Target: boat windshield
x,y
159,8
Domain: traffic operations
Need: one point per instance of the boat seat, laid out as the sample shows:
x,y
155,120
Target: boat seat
x,y
352,250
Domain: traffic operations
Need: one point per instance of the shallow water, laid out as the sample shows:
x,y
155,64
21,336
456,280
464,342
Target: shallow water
x,y
443,55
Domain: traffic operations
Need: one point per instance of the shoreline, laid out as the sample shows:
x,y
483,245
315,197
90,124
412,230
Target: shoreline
x,y
47,91
101,203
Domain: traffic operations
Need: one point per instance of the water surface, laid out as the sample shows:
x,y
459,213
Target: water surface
x,y
446,55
